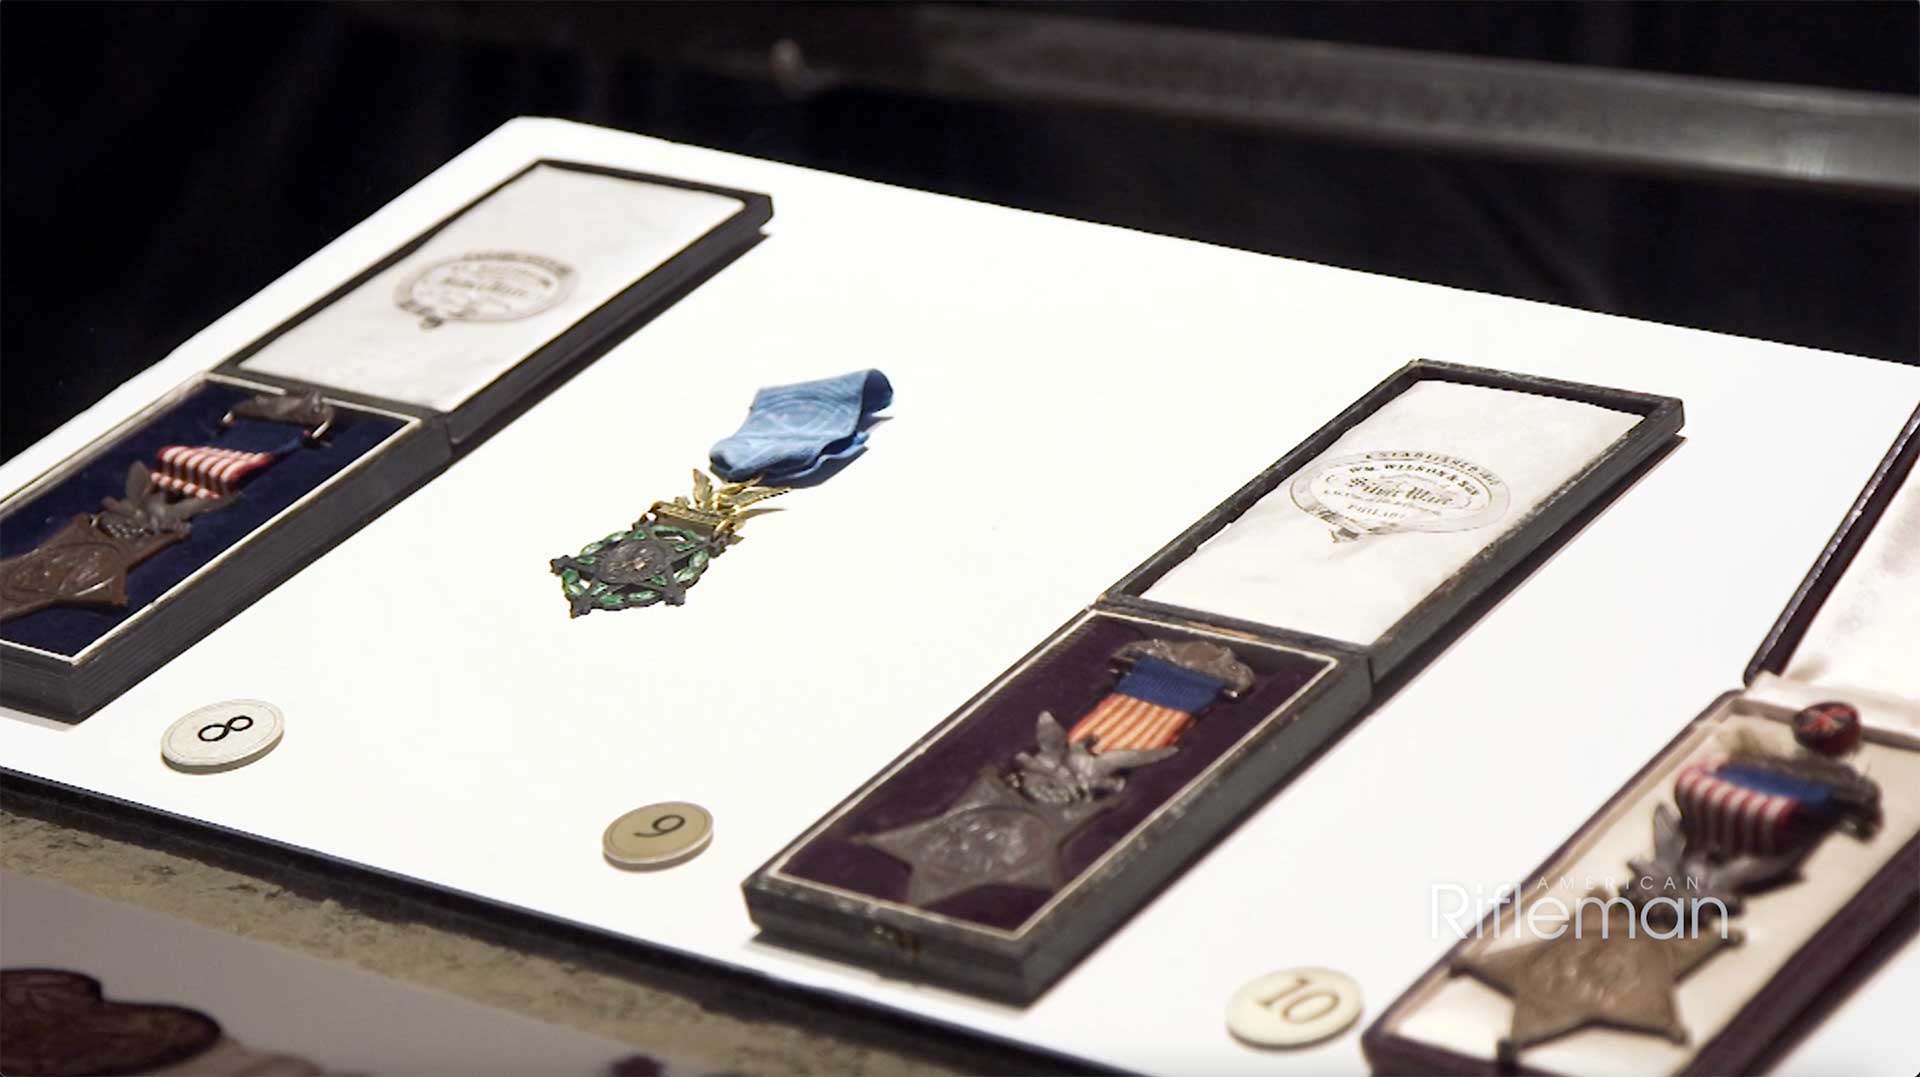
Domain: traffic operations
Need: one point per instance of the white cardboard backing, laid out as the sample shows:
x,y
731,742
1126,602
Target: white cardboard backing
x,y
1867,633
1496,453
499,281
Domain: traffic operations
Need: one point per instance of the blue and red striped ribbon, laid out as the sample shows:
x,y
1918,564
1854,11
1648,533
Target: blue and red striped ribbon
x,y
1151,706
217,471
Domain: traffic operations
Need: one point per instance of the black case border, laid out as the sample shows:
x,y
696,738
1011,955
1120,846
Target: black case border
x,y
1838,554
1018,965
78,459
1017,968
69,688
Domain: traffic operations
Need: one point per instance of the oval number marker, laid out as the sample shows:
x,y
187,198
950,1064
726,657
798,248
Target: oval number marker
x,y
658,835
222,736
1294,1007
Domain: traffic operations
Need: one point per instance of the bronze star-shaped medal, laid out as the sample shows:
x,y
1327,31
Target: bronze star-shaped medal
x,y
1008,828
81,565
86,562
1618,976
990,835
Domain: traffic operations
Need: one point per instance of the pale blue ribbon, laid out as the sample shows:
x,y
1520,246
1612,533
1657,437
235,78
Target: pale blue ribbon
x,y
800,433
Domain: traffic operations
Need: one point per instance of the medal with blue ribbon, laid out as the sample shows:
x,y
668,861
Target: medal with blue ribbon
x,y
793,436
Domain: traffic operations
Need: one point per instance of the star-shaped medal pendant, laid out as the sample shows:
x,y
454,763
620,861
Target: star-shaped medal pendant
x,y
990,835
650,562
1009,828
86,562
1606,970
663,553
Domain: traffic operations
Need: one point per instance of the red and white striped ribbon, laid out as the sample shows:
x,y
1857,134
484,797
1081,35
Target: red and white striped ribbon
x,y
201,471
1729,817
1122,722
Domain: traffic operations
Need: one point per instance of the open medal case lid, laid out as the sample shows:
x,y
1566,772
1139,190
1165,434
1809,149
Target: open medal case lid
x,y
545,271
1412,463
1865,585
419,356
1388,626
1848,635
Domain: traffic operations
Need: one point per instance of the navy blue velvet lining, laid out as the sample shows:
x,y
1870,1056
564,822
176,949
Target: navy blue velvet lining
x,y
193,420
1074,675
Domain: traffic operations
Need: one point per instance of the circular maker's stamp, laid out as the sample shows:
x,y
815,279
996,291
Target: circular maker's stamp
x,y
1377,493
222,736
485,286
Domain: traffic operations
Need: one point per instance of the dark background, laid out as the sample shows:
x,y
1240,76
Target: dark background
x,y
161,163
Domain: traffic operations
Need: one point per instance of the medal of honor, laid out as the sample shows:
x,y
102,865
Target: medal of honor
x,y
663,553
795,435
1011,823
1600,971
86,563
1747,818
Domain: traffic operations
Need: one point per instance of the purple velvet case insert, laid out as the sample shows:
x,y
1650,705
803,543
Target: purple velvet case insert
x,y
1067,681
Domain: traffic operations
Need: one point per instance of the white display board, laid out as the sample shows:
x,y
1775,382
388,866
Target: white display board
x,y
1068,398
